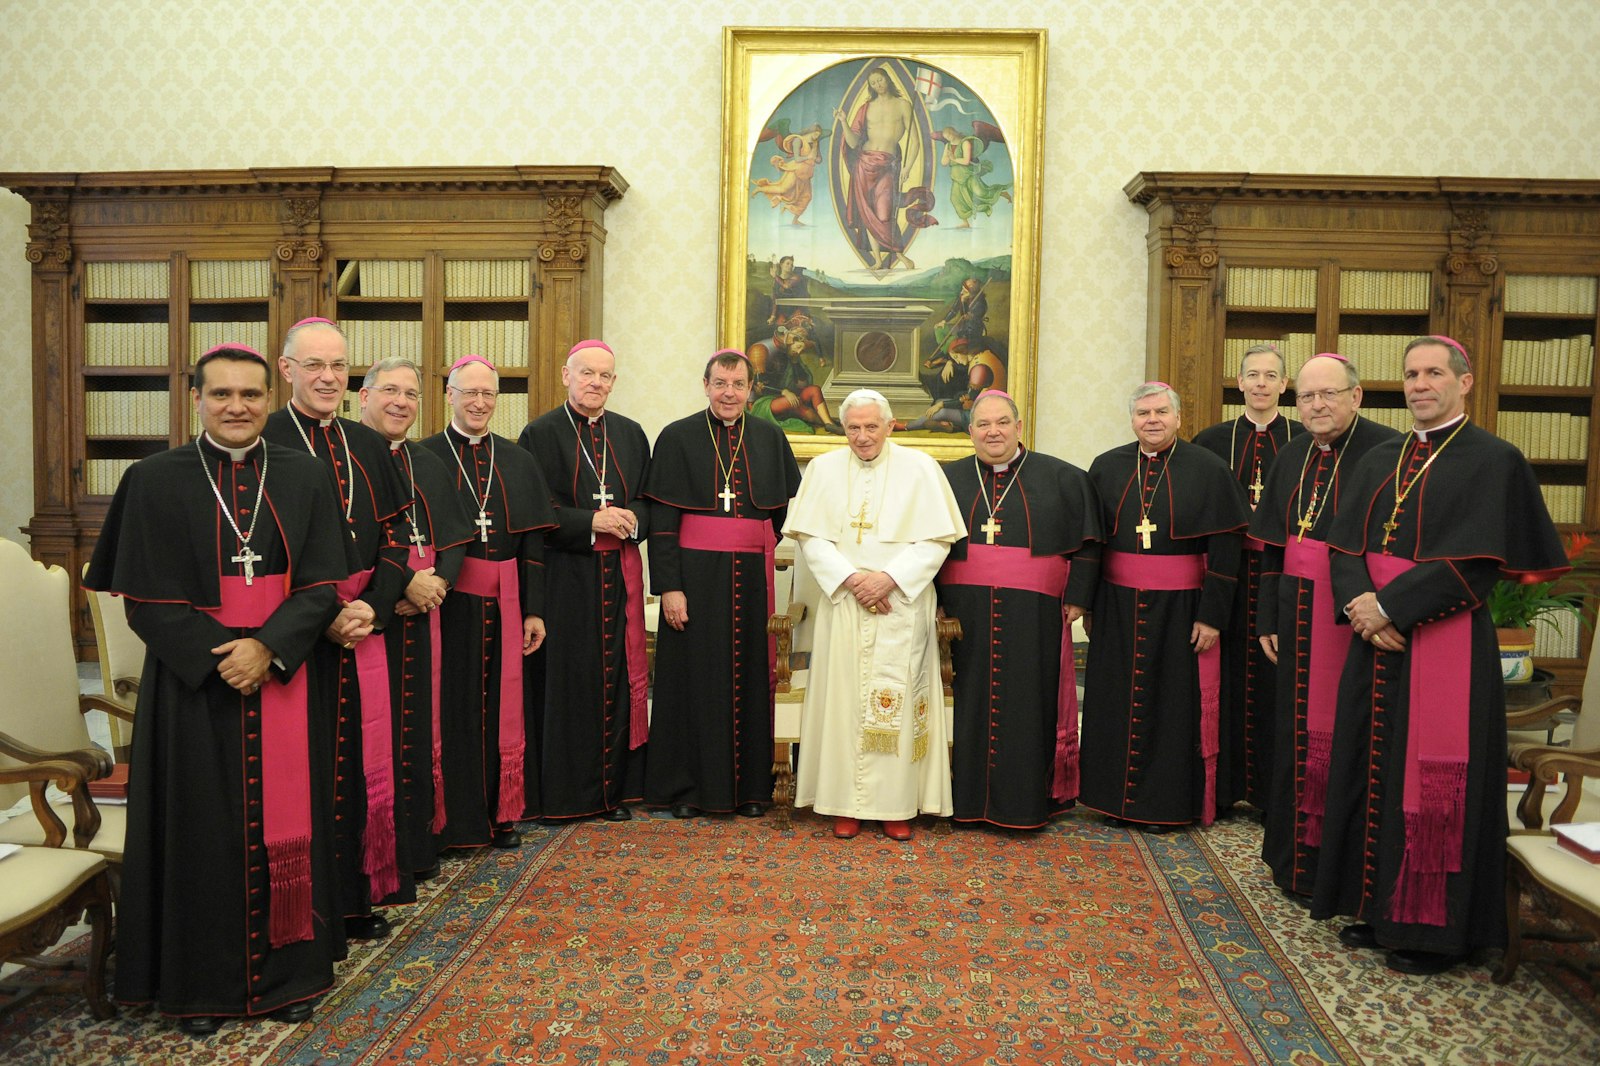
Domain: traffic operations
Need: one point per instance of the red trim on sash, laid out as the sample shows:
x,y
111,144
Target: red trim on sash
x,y
371,660
497,580
1178,573
633,635
707,534
415,562
1435,793
1329,645
285,764
994,566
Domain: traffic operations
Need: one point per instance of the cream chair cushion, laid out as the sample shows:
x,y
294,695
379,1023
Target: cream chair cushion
x,y
34,881
25,829
1559,870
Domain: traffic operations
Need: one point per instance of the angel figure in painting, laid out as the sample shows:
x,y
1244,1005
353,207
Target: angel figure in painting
x,y
963,154
791,191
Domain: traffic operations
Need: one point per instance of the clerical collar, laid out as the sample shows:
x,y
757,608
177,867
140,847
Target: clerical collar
x,y
1422,434
591,419
468,437
322,423
1001,468
883,453
1154,455
1261,427
395,445
236,454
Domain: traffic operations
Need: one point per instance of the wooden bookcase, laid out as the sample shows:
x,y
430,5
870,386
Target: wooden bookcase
x,y
1359,265
135,274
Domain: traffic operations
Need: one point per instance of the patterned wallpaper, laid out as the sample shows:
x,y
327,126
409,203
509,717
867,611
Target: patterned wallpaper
x,y
1363,86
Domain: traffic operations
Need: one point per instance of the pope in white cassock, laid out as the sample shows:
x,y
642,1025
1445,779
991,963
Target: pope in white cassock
x,y
874,522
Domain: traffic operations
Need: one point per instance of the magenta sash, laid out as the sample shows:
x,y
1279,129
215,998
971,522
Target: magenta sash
x,y
285,765
991,566
1330,644
1251,544
497,580
421,562
707,534
633,635
1434,800
1176,573
371,661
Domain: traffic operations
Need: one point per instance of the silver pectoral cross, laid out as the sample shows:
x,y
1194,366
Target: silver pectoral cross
x,y
603,497
482,522
417,539
727,496
249,558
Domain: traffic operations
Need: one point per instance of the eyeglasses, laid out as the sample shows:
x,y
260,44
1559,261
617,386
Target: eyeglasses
x,y
1327,396
389,392
314,367
475,394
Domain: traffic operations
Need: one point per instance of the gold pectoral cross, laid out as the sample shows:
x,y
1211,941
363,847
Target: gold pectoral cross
x,y
727,496
1255,487
990,528
1307,520
859,522
1388,530
1144,529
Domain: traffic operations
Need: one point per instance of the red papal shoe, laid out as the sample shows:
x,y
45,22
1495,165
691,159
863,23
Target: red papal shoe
x,y
845,828
897,830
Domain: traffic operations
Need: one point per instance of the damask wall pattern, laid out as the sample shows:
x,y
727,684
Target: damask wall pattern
x,y
1360,87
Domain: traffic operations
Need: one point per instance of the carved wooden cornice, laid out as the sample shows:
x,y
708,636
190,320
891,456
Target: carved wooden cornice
x,y
1150,187
301,248
50,235
601,182
566,221
1470,251
1193,253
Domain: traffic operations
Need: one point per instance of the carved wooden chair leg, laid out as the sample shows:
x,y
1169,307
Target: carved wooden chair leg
x,y
1513,953
782,788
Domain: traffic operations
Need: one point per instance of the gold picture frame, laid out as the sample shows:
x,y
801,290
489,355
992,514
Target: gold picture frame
x,y
880,223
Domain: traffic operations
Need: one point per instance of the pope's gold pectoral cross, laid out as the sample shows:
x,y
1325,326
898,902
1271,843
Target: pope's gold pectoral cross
x,y
859,521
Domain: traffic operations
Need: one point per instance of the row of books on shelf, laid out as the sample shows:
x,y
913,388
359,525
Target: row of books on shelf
x,y
127,281
369,340
1564,502
126,414
1551,294
1545,434
125,343
1272,287
399,278
1560,361
479,278
1385,290
1556,636
1397,418
203,336
503,342
1295,348
102,476
1377,356
1231,411
230,279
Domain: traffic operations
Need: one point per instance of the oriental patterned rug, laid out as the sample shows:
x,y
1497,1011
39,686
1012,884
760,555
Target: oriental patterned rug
x,y
719,941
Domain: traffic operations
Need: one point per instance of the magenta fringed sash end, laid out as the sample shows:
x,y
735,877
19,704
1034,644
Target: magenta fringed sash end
x,y
1433,845
633,636
1314,795
377,853
511,783
370,662
1064,784
1210,666
1419,892
289,887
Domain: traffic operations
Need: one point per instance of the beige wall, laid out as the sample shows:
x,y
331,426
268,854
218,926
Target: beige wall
x,y
1455,87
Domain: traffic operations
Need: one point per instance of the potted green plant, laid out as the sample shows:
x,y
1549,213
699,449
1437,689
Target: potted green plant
x,y
1515,606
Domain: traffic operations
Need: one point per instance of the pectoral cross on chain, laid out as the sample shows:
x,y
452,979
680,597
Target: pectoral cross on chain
x,y
859,522
727,496
1144,529
249,558
603,498
990,528
482,522
417,538
1388,531
1255,487
1307,520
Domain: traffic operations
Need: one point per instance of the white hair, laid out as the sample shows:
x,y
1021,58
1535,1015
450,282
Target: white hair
x,y
1150,388
866,396
290,338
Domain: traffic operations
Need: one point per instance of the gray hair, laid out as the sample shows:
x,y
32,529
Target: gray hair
x,y
479,361
996,394
301,327
866,396
383,366
1150,388
1264,349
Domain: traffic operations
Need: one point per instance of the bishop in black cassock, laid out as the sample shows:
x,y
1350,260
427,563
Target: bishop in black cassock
x,y
720,485
1174,517
493,616
1013,586
1250,444
432,529
360,753
227,879
1303,493
1413,842
587,686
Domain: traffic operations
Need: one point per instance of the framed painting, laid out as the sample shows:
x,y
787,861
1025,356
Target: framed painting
x,y
880,224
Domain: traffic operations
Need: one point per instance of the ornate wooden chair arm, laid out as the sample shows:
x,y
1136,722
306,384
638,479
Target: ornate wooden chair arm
x,y
1542,771
91,702
948,629
1539,713
95,762
67,776
782,626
